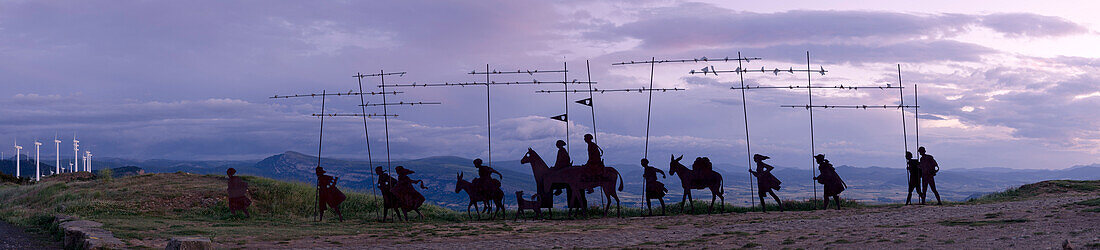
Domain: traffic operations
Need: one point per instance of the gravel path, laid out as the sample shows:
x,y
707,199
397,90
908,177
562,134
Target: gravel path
x,y
12,237
1038,223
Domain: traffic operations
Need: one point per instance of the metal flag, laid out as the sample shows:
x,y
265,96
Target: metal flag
x,y
585,102
561,117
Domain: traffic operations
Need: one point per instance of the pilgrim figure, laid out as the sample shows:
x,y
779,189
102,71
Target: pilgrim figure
x,y
238,193
928,168
484,181
828,177
595,154
653,189
563,160
409,198
386,183
913,166
328,195
766,182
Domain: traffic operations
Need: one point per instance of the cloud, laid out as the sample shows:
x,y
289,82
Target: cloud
x,y
1031,25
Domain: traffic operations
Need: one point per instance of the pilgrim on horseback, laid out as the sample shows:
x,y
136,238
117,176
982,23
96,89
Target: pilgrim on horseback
x,y
828,177
484,176
700,176
653,189
595,154
476,194
408,198
766,182
328,195
563,160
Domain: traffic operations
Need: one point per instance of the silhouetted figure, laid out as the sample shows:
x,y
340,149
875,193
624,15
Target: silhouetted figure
x,y
574,179
595,154
386,183
329,196
765,181
484,174
408,198
928,168
700,176
238,193
485,195
563,156
913,167
828,177
653,189
532,204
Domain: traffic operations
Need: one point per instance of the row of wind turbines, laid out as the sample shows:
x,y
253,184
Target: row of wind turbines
x,y
83,165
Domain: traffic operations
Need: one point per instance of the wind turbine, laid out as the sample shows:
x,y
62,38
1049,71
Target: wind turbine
x,y
88,161
76,155
17,149
37,168
57,164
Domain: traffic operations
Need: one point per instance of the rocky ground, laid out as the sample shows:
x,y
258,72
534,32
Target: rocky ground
x,y
1045,221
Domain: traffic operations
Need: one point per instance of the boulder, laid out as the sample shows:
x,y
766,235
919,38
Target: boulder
x,y
85,234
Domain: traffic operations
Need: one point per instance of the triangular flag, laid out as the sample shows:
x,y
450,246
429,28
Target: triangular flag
x,y
561,117
585,102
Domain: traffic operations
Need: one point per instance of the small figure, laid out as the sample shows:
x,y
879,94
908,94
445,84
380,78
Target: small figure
x,y
485,179
563,156
532,204
238,193
928,168
766,182
913,166
386,183
328,195
409,199
653,189
830,179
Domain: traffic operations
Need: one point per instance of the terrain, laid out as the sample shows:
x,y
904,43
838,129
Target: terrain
x,y
145,210
872,185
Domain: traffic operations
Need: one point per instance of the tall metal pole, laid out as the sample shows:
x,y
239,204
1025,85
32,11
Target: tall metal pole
x,y
748,147
591,101
568,145
385,119
813,147
366,133
916,114
904,132
488,118
649,110
320,138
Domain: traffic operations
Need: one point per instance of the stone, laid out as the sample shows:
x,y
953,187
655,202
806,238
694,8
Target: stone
x,y
189,243
85,234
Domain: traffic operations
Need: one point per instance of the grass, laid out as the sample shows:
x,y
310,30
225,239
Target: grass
x,y
1035,189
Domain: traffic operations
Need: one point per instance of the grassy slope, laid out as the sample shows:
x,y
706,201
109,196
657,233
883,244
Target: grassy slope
x,y
157,206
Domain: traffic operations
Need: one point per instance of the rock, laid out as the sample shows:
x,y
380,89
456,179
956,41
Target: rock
x,y
189,243
85,234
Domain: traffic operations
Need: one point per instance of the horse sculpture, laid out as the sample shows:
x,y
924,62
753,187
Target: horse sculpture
x,y
485,195
700,176
577,179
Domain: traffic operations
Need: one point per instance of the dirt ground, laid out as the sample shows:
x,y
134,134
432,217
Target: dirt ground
x,y
1038,223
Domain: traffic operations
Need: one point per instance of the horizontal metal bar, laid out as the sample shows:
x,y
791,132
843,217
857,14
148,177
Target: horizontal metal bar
x,y
483,83
639,90
338,94
851,106
399,103
702,59
819,87
402,73
353,115
775,71
529,72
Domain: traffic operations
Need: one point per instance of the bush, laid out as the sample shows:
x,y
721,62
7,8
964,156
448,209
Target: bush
x,y
106,175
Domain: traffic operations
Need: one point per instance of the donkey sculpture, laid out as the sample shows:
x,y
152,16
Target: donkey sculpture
x,y
485,195
576,179
700,176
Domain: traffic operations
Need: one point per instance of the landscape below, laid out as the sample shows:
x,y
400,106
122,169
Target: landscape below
x,y
146,210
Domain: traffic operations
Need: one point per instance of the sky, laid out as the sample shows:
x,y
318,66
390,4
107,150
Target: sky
x,y
1000,83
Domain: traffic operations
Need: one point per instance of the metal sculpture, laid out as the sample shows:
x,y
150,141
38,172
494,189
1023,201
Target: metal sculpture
x,y
522,204
767,183
237,193
408,199
653,189
487,195
699,176
828,178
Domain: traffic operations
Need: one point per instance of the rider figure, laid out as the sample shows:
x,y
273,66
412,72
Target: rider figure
x,y
563,156
595,154
484,178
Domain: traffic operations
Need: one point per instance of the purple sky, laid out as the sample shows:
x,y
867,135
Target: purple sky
x,y
1001,85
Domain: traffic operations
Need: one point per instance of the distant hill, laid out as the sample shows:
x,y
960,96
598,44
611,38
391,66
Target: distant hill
x,y
868,184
